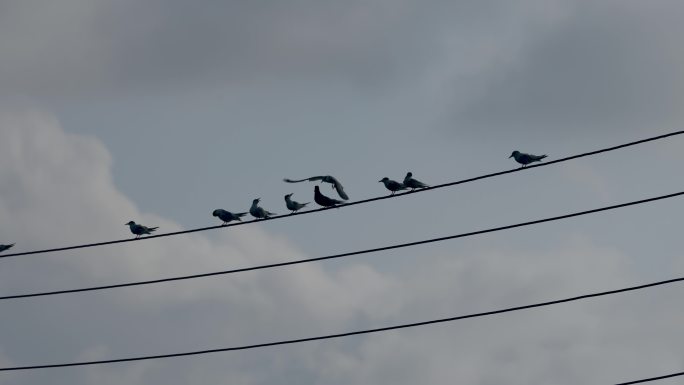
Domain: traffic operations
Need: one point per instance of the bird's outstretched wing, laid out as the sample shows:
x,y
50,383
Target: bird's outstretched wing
x,y
325,178
313,178
340,190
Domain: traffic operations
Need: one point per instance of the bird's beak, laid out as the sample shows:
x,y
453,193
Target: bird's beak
x,y
380,181
510,157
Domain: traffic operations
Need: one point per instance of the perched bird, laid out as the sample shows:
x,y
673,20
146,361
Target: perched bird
x,y
293,205
324,200
5,247
392,185
227,216
413,183
526,159
327,179
259,212
139,230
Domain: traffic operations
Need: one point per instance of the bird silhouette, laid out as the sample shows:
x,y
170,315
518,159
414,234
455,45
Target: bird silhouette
x,y
6,247
392,185
226,216
525,159
324,178
259,212
324,200
293,205
413,183
140,230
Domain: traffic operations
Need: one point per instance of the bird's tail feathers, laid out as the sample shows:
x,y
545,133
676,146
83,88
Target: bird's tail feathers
x,y
342,194
152,228
295,181
240,215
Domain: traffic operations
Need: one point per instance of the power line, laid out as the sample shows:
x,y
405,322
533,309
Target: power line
x,y
350,203
334,256
347,334
652,379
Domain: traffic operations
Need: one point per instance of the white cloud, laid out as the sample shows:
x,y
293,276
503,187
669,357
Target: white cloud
x,y
56,189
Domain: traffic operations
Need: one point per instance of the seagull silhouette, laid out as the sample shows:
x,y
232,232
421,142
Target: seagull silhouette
x,y
324,200
226,216
525,159
413,183
293,205
324,178
259,212
139,230
392,185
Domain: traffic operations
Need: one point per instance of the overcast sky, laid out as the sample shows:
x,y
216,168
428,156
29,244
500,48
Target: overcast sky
x,y
162,111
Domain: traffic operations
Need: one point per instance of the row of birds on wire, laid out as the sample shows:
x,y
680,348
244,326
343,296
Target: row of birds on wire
x,y
259,213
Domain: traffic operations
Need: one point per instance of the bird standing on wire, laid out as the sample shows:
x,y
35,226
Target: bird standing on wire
x,y
139,230
293,205
324,200
226,216
525,159
324,178
413,183
6,247
259,212
392,185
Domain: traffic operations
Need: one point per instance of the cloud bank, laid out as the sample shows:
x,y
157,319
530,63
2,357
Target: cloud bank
x,y
57,188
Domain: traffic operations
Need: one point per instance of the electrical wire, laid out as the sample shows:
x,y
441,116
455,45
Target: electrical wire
x,y
347,334
350,203
652,379
334,256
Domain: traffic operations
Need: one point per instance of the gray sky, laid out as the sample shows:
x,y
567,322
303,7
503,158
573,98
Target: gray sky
x,y
161,111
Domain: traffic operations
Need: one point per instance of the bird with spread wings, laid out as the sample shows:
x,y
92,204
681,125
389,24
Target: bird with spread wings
x,y
324,178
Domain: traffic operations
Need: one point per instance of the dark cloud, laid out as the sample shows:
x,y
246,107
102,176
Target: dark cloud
x,y
610,66
153,44
106,46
